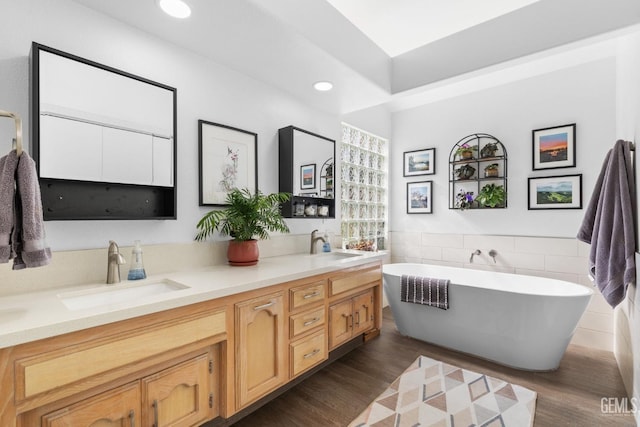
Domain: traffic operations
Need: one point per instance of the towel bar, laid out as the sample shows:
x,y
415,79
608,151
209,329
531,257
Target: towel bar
x,y
18,129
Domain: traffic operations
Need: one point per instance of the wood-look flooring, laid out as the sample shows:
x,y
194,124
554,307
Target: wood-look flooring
x,y
569,396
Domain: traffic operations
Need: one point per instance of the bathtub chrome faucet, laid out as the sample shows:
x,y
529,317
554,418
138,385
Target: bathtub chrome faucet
x,y
314,240
474,253
114,261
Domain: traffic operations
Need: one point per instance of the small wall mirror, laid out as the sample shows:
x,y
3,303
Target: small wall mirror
x,y
307,170
104,140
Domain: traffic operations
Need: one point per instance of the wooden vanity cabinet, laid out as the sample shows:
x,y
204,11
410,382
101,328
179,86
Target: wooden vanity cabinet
x,y
180,396
350,318
355,305
189,365
260,347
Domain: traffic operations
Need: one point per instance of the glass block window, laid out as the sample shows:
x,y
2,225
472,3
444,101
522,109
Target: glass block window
x,y
364,163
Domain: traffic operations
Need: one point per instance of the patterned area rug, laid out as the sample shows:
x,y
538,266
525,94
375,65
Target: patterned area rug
x,y
431,393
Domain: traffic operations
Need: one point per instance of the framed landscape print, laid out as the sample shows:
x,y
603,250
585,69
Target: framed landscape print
x,y
419,198
227,161
554,147
555,192
420,162
308,177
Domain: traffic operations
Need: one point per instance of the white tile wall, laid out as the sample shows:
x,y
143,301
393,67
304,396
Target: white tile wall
x,y
556,258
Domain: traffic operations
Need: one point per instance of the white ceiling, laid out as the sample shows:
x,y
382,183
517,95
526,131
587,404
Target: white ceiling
x,y
398,26
290,44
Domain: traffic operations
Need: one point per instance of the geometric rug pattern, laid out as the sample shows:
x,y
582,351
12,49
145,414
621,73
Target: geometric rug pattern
x,y
430,393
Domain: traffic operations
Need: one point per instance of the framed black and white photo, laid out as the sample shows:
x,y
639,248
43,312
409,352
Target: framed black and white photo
x,y
227,161
308,177
420,162
419,198
555,192
554,147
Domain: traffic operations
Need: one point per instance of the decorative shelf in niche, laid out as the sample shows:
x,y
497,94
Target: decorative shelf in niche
x,y
477,161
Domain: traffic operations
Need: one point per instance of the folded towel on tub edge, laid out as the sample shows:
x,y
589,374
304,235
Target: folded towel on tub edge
x,y
425,290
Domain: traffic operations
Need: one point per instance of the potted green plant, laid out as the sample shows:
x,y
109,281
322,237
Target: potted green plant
x,y
246,217
465,151
491,170
489,150
491,195
465,172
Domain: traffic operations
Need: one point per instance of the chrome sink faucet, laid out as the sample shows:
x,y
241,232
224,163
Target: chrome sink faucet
x,y
314,240
476,252
114,261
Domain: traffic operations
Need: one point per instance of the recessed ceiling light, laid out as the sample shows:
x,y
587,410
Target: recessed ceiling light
x,y
323,86
175,8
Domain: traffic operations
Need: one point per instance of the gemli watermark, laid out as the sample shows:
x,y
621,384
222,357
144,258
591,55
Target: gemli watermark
x,y
619,405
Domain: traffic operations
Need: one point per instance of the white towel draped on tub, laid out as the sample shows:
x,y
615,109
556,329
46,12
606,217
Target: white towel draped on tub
x,y
425,291
22,236
608,225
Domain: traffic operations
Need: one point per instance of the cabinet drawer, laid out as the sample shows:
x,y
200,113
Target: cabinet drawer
x,y
354,280
308,352
56,369
307,294
303,322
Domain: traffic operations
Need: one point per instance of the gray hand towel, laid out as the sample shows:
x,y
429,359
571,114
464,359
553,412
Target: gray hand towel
x,y
8,166
22,236
30,244
608,225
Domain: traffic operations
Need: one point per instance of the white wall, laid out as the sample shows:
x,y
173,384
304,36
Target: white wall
x,y
627,325
206,90
583,94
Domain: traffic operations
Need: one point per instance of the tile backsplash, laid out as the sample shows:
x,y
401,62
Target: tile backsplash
x,y
80,267
552,257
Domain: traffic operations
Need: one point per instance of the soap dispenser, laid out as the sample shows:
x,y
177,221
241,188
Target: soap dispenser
x,y
136,271
326,246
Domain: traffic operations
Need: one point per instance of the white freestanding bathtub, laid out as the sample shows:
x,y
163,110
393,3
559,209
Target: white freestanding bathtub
x,y
520,321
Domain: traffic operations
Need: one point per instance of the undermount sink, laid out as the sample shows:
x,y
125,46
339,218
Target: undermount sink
x,y
116,294
334,256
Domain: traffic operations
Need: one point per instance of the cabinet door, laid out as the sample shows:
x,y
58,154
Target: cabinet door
x,y
126,157
340,323
178,396
362,312
70,149
260,347
115,408
162,161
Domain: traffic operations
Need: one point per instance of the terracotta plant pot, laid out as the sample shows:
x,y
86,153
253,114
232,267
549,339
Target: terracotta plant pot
x,y
491,172
466,155
243,253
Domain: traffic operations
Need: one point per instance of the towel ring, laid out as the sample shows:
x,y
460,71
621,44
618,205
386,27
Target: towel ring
x,y
18,129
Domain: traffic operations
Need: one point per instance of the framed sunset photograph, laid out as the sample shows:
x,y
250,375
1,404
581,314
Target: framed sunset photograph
x,y
308,176
554,147
555,192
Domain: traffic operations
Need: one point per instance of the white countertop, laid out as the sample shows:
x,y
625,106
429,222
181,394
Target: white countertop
x,y
33,316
